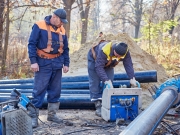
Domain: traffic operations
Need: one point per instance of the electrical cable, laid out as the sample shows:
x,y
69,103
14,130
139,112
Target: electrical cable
x,y
97,125
38,129
94,125
127,108
117,113
175,133
177,124
40,120
177,129
78,131
133,113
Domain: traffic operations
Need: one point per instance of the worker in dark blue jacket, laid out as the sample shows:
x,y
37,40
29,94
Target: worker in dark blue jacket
x,y
102,59
49,55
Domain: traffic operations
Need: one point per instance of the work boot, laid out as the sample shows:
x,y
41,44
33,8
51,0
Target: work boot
x,y
34,113
98,107
52,109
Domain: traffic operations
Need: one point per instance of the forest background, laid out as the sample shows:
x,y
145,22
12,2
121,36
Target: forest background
x,y
153,24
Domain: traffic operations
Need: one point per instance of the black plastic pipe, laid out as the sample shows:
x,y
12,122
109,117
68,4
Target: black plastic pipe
x,y
65,85
63,95
141,76
63,91
67,101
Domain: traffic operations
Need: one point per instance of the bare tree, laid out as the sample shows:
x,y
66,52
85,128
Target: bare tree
x,y
6,7
68,7
170,8
138,16
6,40
1,26
129,12
84,14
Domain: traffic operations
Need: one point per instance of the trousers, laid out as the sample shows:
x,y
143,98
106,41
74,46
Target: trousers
x,y
95,84
47,81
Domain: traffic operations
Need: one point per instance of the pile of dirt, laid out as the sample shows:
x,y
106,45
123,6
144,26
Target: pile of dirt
x,y
142,61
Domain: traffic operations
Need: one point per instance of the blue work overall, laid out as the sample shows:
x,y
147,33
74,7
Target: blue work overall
x,y
47,79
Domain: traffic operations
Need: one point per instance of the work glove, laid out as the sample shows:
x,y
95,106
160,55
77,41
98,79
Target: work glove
x,y
133,82
108,84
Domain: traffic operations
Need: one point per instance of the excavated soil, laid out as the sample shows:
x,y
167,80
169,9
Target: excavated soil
x,y
142,60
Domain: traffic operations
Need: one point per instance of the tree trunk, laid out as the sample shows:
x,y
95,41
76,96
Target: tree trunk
x,y
136,31
138,16
84,13
84,31
172,28
1,27
68,8
173,11
6,40
97,15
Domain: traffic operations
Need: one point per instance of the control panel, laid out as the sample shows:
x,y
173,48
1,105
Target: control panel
x,y
125,107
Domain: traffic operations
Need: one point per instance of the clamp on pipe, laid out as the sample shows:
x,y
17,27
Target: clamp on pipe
x,y
173,84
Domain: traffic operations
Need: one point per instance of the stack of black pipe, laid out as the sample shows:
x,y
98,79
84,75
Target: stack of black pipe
x,y
75,89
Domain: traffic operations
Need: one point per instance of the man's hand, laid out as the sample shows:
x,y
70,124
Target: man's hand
x,y
133,82
35,67
108,84
65,69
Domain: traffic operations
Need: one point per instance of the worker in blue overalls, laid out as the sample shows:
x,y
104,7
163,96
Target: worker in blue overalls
x,y
49,55
102,59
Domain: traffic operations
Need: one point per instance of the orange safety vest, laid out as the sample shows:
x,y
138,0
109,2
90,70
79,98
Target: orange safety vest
x,y
44,53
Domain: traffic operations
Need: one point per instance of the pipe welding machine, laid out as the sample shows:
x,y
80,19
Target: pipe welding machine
x,y
14,119
121,103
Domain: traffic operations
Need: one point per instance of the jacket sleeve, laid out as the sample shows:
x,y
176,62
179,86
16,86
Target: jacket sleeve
x,y
33,41
100,63
128,65
66,52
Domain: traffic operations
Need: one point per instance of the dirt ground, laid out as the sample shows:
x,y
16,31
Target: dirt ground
x,y
80,120
85,122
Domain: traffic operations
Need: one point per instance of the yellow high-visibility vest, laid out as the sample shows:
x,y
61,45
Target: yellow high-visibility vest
x,y
107,50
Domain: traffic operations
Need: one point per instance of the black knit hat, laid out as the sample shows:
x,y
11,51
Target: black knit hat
x,y
121,48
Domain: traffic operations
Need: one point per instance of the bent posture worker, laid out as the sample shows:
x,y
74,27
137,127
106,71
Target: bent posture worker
x,y
101,62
